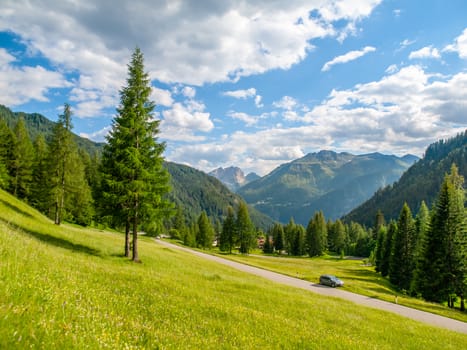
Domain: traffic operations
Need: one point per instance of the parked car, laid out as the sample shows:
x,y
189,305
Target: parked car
x,y
330,280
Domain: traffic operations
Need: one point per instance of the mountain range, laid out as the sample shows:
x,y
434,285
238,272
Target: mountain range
x,y
332,182
233,177
342,185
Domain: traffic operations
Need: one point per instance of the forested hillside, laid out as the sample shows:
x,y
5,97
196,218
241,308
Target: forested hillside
x,y
38,124
193,190
420,182
332,182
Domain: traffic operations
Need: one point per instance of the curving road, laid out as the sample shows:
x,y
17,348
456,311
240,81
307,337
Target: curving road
x,y
422,316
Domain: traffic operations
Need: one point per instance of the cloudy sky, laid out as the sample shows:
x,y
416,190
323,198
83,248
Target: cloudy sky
x,y
247,83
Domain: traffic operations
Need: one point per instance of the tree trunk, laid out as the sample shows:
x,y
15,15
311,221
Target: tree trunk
x,y
57,215
462,303
127,237
135,238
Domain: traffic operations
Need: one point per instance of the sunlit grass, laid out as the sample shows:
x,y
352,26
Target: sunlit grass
x,y
358,278
66,287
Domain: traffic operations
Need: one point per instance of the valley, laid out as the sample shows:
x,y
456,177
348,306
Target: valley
x,y
179,301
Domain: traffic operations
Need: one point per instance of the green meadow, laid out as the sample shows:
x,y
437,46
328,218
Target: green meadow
x,y
64,287
358,278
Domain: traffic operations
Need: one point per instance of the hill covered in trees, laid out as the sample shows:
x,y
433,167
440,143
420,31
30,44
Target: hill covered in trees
x,y
332,182
37,124
192,190
195,191
421,182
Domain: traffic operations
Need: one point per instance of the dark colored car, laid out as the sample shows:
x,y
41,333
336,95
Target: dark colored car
x,y
330,280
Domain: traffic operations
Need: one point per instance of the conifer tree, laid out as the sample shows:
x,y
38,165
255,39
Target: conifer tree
x,y
380,247
134,177
245,229
441,270
316,235
6,153
23,157
205,232
40,196
277,233
379,221
387,250
422,222
268,247
59,162
78,201
289,236
401,263
299,240
337,240
228,233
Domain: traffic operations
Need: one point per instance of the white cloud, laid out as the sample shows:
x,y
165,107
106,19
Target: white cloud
x,y
425,52
405,43
244,94
192,43
184,120
349,56
258,103
241,94
98,136
286,102
401,113
391,69
162,97
20,85
248,119
189,92
460,45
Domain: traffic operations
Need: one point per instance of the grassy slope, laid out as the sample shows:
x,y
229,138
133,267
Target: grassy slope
x,y
65,287
357,278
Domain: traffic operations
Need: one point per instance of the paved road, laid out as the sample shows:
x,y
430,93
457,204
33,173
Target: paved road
x,y
418,315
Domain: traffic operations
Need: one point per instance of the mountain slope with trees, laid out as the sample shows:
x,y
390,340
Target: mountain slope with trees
x,y
421,182
332,182
193,190
37,124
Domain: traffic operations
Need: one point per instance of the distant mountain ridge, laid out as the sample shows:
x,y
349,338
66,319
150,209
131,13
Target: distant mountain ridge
x,y
332,182
195,191
233,177
421,181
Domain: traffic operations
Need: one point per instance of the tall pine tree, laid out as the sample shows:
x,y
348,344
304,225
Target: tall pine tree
x,y
387,250
134,176
441,271
228,233
401,263
60,150
205,232
316,235
245,229
40,196
23,157
7,141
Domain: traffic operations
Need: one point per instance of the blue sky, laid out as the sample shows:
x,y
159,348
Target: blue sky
x,y
252,84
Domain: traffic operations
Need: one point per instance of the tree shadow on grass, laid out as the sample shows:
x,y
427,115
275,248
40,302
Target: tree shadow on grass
x,y
15,208
55,241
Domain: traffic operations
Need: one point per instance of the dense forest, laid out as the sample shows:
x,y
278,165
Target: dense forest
x,y
420,182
